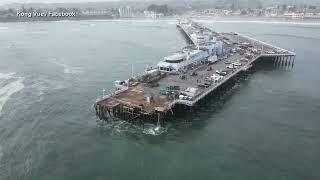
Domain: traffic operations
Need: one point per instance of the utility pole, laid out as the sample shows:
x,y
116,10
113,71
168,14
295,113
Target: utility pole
x,y
131,70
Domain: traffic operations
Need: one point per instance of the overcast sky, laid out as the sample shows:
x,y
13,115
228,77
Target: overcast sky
x,y
2,2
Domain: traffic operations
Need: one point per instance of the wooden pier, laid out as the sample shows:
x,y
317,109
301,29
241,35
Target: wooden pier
x,y
140,101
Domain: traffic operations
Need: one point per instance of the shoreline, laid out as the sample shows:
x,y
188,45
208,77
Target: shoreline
x,y
50,19
233,19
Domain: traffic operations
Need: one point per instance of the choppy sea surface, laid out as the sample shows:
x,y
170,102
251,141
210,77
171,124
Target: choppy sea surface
x,y
266,127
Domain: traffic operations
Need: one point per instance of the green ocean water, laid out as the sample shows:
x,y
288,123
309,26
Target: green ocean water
x,y
266,127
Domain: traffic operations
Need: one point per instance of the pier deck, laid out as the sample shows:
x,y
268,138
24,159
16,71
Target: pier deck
x,y
133,99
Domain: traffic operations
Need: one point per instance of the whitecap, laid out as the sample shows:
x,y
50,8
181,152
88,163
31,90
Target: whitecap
x,y
151,129
1,153
11,46
70,69
9,89
3,28
7,75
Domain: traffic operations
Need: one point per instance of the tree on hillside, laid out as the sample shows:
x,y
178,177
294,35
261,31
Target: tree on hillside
x,y
159,9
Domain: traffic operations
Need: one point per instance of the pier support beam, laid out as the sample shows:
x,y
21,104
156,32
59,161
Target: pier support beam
x,y
159,120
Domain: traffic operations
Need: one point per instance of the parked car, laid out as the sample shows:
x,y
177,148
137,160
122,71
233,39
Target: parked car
x,y
244,59
236,63
222,73
216,78
231,66
226,70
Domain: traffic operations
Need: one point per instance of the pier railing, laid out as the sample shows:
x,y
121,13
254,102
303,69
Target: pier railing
x,y
112,94
187,33
212,87
204,92
267,44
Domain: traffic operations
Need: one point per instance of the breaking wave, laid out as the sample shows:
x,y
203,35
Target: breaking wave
x,y
3,28
6,76
152,129
121,127
9,85
1,153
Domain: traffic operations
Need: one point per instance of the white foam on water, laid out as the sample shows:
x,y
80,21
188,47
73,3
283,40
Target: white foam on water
x,y
1,153
151,129
70,69
3,28
10,88
121,127
11,46
7,75
40,87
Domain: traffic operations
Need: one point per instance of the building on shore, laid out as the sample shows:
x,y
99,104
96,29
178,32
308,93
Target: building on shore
x,y
152,14
294,15
95,12
125,12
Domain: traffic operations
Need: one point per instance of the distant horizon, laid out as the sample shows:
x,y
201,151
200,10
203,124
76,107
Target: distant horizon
x,y
264,2
8,2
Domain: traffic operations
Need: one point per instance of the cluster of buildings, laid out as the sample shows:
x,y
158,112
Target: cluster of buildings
x,y
152,14
125,12
206,44
96,12
292,12
128,12
108,13
283,11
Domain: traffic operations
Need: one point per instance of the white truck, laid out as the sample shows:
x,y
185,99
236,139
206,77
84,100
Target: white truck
x,y
212,59
216,78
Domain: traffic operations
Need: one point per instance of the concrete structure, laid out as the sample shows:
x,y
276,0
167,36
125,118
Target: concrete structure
x,y
95,12
150,96
152,14
125,12
294,15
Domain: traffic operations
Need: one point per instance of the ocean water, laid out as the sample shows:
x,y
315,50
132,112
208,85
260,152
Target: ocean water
x,y
266,127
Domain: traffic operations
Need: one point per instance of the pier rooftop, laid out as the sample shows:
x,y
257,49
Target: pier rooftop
x,y
156,91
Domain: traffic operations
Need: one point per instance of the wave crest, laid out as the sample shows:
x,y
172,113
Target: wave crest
x,y
14,85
